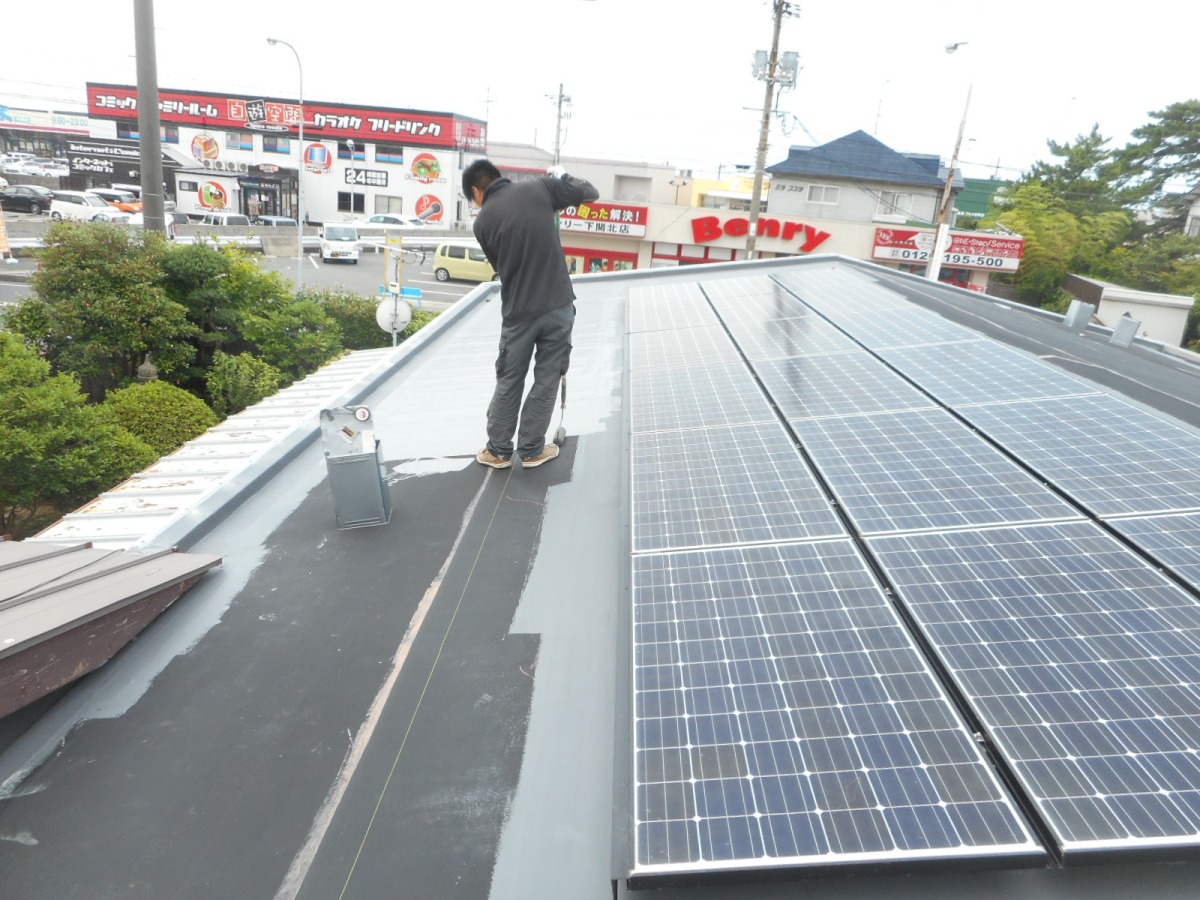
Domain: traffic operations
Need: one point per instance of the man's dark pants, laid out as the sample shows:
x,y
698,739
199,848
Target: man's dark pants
x,y
550,335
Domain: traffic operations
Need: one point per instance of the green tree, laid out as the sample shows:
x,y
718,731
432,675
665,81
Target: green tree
x,y
56,451
98,306
296,336
1085,177
235,382
161,415
355,316
1163,162
217,286
1052,236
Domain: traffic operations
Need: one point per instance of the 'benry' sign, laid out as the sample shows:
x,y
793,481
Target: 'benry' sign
x,y
709,228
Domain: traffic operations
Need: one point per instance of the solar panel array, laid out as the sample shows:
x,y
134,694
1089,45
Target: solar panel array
x,y
861,533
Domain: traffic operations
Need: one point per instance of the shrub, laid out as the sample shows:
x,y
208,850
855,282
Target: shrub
x,y
235,382
160,414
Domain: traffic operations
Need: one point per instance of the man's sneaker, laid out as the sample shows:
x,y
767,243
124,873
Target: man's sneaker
x,y
546,455
487,458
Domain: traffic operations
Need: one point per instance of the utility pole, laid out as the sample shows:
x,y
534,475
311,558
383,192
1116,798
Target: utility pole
x,y
768,70
941,236
561,100
149,128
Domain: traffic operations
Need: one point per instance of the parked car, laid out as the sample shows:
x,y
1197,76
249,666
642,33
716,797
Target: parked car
x,y
339,242
461,260
84,206
3,182
224,219
136,190
46,167
275,221
122,200
26,198
388,221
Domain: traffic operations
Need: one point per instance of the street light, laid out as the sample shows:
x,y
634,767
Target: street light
x,y
299,171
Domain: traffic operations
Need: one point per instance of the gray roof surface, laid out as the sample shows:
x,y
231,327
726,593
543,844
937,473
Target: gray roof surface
x,y
438,707
856,157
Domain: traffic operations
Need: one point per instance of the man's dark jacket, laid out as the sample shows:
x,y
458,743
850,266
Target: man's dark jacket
x,y
518,231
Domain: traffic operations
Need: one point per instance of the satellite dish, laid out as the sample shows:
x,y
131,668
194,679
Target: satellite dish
x,y
393,315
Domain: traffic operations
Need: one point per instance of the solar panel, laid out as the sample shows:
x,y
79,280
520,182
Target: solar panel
x,y
834,292
754,301
1172,540
695,397
784,338
701,346
922,469
711,486
900,327
1083,664
835,385
757,294
1111,457
668,306
982,371
783,717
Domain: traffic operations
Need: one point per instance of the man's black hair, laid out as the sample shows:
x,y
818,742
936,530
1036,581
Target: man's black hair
x,y
479,174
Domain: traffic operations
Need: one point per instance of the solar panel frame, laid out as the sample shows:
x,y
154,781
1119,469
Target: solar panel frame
x,y
923,469
767,736
1081,661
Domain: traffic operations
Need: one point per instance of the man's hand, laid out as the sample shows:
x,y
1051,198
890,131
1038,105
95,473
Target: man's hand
x,y
556,172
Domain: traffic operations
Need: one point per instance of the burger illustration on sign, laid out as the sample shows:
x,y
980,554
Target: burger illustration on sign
x,y
426,168
213,196
204,146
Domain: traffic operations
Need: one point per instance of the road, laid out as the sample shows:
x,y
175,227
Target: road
x,y
366,277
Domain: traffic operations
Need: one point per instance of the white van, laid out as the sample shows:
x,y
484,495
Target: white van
x,y
339,242
84,206
221,218
462,260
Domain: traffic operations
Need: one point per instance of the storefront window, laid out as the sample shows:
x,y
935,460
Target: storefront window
x,y
582,262
235,140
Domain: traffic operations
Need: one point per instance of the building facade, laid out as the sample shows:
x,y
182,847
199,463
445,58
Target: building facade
x,y
241,153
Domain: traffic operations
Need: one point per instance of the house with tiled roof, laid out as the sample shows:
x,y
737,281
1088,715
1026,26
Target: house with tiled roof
x,y
857,178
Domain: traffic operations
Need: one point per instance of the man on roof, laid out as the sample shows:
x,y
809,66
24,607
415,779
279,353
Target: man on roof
x,y
518,232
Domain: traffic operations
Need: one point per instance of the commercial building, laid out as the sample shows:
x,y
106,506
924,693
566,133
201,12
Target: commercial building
x,y
853,196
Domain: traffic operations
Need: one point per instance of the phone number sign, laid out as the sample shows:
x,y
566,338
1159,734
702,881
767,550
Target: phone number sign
x,y
966,251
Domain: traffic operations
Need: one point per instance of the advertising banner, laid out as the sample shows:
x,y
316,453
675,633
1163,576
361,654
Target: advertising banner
x,y
605,218
967,250
321,120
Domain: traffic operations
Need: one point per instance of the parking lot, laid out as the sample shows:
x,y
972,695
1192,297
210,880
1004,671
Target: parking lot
x,y
364,278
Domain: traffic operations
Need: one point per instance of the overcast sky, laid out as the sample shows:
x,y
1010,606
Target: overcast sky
x,y
656,80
